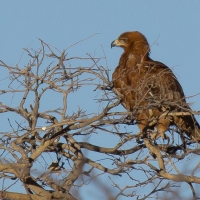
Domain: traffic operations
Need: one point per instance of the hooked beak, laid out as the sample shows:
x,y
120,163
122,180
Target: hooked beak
x,y
114,43
118,43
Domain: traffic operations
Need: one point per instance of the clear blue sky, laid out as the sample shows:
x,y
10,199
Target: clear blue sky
x,y
174,25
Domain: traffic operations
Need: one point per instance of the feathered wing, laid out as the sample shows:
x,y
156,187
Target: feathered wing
x,y
168,91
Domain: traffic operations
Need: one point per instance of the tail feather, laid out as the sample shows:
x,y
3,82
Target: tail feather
x,y
189,125
195,135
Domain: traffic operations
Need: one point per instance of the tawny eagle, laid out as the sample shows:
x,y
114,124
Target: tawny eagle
x,y
150,90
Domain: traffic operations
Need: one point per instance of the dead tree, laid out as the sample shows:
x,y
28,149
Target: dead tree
x,y
47,139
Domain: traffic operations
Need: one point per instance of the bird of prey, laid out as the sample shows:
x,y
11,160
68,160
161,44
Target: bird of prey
x,y
150,91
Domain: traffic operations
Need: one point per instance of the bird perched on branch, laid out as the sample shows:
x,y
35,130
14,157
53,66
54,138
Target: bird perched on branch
x,y
150,90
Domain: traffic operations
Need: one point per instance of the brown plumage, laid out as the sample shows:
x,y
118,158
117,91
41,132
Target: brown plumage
x,y
150,90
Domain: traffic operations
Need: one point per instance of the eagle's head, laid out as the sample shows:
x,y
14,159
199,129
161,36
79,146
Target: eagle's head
x,y
130,41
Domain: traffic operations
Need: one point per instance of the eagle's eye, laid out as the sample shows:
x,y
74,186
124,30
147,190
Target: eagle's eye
x,y
124,39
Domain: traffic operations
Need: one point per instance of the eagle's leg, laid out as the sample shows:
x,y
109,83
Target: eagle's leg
x,y
143,131
143,125
162,126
